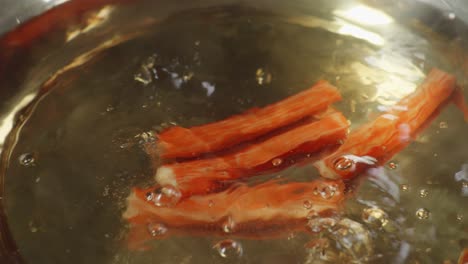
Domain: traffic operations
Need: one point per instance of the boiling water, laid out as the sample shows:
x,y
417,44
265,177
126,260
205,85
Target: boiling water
x,y
79,150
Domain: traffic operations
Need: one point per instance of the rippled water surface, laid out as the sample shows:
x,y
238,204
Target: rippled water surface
x,y
80,151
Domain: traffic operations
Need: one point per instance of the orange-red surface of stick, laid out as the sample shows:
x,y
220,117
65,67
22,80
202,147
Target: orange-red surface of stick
x,y
380,139
201,176
463,259
190,142
264,211
459,100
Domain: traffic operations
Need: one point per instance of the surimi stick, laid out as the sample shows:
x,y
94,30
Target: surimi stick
x,y
201,176
191,142
463,259
265,211
377,141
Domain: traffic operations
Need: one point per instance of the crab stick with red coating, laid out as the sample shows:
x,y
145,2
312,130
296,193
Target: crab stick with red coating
x,y
377,141
201,176
265,211
178,142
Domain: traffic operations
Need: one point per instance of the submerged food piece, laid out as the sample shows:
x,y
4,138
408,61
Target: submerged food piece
x,y
377,141
264,211
190,142
202,176
460,102
463,259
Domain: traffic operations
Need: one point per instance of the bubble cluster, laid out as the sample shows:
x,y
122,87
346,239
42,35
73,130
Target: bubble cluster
x,y
165,196
317,224
375,217
157,229
320,249
145,75
354,237
146,137
341,240
326,191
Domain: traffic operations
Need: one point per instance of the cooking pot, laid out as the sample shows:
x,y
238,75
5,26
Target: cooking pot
x,y
47,46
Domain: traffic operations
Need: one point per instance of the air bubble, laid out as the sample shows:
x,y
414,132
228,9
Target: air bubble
x,y
210,203
443,125
460,217
262,77
146,137
404,187
145,79
228,225
229,248
187,77
32,227
318,224
354,237
144,76
318,244
464,189
106,191
166,196
307,204
343,163
326,191
157,229
150,61
392,165
423,213
375,217
277,162
423,193
149,196
125,145
312,214
319,251
27,159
